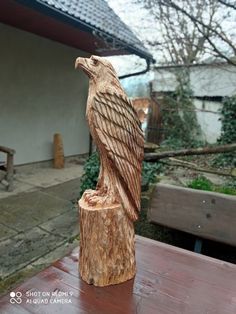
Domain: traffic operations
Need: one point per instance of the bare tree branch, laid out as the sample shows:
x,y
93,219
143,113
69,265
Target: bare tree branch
x,y
193,29
199,21
191,151
228,4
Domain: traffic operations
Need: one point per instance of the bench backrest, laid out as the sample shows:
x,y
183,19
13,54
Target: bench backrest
x,y
205,214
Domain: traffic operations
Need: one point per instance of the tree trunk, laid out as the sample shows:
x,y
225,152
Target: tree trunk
x,y
107,254
192,151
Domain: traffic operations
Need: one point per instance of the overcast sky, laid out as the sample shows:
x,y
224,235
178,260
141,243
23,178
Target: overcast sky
x,y
132,14
145,27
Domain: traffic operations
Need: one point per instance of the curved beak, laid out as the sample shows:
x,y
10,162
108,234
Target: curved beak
x,y
83,63
79,62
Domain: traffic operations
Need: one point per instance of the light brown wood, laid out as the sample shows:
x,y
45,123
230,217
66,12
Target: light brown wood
x,y
205,214
115,204
59,159
191,151
107,254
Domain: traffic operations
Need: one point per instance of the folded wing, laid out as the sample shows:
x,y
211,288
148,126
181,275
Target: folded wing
x,y
118,128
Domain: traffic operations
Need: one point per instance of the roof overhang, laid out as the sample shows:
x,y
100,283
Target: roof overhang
x,y
48,22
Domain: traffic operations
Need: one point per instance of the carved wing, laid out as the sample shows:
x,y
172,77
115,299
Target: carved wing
x,y
118,128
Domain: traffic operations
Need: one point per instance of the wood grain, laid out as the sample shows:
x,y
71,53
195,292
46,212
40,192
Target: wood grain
x,y
205,214
116,131
107,253
59,159
107,213
168,280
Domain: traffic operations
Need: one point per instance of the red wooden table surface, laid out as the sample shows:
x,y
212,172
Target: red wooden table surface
x,y
168,280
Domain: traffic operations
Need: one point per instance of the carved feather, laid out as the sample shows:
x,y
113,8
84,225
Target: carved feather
x,y
118,129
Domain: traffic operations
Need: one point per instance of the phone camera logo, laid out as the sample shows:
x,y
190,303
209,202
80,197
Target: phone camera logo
x,y
15,297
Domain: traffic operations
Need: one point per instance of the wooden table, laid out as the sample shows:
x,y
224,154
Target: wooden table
x,y
169,280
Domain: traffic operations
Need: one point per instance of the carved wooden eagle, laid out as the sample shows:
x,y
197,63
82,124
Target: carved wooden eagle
x,y
116,131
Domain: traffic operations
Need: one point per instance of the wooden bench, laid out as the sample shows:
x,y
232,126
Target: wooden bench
x,y
204,214
9,168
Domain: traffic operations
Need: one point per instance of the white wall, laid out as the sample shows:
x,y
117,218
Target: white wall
x,y
40,94
208,118
211,80
219,80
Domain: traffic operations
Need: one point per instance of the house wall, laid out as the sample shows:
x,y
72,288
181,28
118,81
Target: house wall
x,y
208,118
206,81
40,94
209,80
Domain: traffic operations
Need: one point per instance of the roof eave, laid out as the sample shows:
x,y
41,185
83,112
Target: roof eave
x,y
66,18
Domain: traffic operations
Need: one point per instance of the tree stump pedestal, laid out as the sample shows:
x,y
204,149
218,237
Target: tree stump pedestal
x,y
107,253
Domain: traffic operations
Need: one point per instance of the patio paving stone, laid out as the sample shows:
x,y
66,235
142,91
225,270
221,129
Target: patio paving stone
x,y
6,232
36,228
68,190
64,225
27,210
24,248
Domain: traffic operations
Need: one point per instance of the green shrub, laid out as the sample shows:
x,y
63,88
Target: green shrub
x,y
226,189
91,172
228,132
179,120
150,171
202,183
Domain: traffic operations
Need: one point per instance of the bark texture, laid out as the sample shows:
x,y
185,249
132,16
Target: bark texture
x,y
192,151
107,254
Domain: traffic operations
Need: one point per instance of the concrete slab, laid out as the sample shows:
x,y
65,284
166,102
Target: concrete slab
x,y
11,281
6,232
37,227
18,187
24,248
30,178
28,271
20,221
45,177
54,255
68,190
65,225
27,210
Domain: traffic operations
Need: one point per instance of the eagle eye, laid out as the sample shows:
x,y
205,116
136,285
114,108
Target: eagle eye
x,y
95,62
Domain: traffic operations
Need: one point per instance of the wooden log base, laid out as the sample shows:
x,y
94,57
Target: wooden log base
x,y
107,254
59,160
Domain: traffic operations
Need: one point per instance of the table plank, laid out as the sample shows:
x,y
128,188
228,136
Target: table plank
x,y
168,280
204,284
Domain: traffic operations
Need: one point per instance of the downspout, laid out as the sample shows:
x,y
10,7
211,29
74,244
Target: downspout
x,y
137,73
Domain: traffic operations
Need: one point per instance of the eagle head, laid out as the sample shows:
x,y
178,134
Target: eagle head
x,y
96,67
